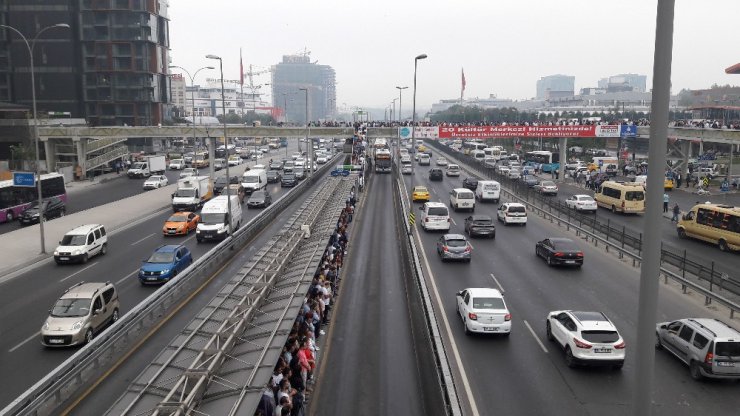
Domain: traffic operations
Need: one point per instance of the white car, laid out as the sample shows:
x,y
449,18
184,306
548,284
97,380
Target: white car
x,y
512,213
514,174
441,161
406,169
258,166
547,188
187,172
581,203
321,159
296,155
483,310
502,169
453,170
235,161
586,337
155,181
177,164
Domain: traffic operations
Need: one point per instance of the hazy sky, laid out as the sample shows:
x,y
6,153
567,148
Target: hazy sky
x,y
504,46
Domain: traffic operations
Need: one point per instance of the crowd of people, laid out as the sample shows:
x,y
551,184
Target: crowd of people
x,y
293,378
707,124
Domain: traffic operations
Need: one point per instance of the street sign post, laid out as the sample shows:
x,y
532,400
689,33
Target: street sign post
x,y
25,179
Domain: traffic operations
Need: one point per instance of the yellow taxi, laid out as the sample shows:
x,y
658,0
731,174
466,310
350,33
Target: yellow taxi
x,y
668,181
421,193
181,223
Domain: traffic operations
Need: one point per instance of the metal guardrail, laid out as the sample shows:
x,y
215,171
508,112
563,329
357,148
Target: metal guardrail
x,y
615,238
444,373
93,359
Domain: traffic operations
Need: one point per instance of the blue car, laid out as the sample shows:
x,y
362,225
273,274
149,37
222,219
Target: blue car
x,y
164,264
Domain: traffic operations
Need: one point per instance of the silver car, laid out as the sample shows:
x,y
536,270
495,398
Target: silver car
x,y
454,247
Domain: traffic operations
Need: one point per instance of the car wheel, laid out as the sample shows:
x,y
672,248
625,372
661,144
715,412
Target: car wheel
x,y
62,212
104,249
681,233
85,258
548,332
614,209
658,344
570,360
695,371
465,328
115,315
88,335
9,215
549,260
723,245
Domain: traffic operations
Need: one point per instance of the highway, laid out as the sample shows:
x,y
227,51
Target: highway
x,y
26,299
524,373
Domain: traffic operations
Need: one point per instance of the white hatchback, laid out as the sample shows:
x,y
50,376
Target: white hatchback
x,y
155,181
483,310
586,337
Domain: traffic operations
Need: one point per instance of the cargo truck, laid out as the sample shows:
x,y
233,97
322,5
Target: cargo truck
x,y
192,192
151,165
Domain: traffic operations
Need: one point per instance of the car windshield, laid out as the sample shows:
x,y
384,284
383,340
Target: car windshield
x,y
727,349
251,179
212,218
456,243
185,193
177,218
634,196
488,303
272,174
289,176
221,181
69,308
158,257
73,240
258,195
600,336
438,211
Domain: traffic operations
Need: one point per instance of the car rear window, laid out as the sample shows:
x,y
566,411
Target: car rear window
x,y
456,243
600,336
565,245
727,349
438,211
634,196
465,195
488,303
483,222
516,208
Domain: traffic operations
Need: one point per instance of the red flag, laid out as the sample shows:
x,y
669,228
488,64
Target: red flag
x,y
463,79
241,68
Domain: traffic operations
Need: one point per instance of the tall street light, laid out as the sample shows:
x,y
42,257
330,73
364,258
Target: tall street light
x,y
400,109
30,47
308,143
226,144
413,108
394,109
192,91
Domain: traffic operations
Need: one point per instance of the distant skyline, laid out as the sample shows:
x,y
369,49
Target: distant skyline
x,y
503,46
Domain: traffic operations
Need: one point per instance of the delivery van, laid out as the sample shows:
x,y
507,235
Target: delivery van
x,y
215,218
488,191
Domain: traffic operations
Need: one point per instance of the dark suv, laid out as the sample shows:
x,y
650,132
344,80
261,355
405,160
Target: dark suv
x,y
435,174
470,183
52,208
273,176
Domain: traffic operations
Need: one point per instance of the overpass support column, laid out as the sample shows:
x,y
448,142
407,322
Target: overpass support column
x,y
81,148
686,153
563,149
212,156
50,150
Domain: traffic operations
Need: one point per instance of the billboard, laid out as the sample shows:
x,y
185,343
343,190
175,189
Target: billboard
x,y
507,132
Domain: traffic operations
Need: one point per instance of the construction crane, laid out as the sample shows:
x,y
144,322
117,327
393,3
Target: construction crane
x,y
252,73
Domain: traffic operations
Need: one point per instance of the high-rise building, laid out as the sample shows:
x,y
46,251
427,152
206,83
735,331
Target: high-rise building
x,y
555,86
109,67
295,72
624,82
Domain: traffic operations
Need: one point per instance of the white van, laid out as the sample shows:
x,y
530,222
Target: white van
x,y
254,180
215,218
488,191
478,155
434,216
462,198
82,243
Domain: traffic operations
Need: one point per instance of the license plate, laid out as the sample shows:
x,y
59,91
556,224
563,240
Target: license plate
x,y
56,341
63,258
725,364
170,232
602,350
490,329
151,278
570,262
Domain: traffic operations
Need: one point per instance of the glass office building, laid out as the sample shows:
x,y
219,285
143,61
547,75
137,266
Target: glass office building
x,y
295,72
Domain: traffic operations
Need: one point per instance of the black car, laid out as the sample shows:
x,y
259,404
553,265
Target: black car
x,y
52,208
273,176
288,180
220,184
480,225
276,165
259,199
470,183
559,251
299,173
435,174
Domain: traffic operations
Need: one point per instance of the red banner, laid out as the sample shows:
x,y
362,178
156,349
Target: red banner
x,y
504,132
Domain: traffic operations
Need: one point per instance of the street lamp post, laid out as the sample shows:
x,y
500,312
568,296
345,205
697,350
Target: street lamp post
x,y
226,144
400,109
308,142
413,109
394,109
192,91
30,47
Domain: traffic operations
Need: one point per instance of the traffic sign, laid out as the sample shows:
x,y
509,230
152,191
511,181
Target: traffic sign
x,y
412,218
26,179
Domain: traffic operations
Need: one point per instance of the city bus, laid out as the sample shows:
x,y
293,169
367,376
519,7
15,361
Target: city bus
x,y
15,199
471,145
713,223
548,161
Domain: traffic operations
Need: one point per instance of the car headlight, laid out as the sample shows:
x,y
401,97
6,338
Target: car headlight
x,y
56,252
35,215
197,231
46,326
164,271
221,231
77,252
77,326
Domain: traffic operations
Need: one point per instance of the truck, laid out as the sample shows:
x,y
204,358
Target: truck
x,y
605,164
192,192
151,165
382,160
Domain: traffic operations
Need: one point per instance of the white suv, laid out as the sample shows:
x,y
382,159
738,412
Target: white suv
x,y
586,337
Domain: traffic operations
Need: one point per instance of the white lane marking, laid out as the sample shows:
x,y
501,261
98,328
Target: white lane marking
x,y
453,221
78,272
440,307
501,288
127,276
25,341
139,241
536,338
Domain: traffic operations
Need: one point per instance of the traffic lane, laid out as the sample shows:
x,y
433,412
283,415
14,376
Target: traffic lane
x,y
107,392
370,364
533,289
25,314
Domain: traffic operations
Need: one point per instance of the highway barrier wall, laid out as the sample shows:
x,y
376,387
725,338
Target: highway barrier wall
x,y
90,362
